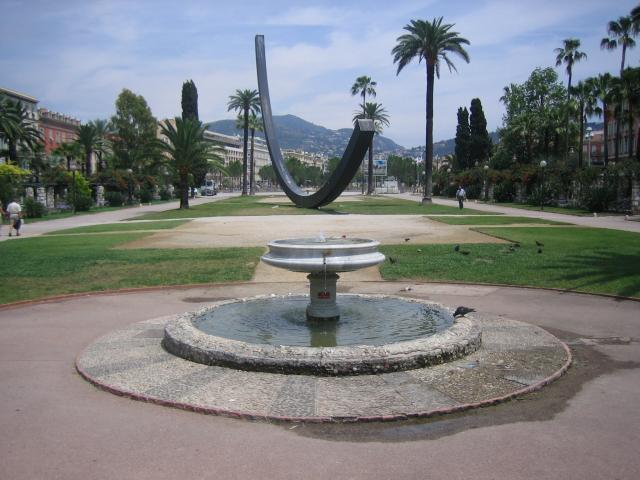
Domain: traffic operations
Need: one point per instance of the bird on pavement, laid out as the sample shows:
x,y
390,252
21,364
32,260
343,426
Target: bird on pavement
x,y
407,239
539,244
462,311
456,248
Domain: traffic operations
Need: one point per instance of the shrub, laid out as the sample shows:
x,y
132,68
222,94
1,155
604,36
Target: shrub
x,y
83,203
504,191
33,208
146,195
115,199
164,194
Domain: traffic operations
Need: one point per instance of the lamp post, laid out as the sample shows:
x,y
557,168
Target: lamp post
x,y
486,182
74,167
130,172
588,138
543,164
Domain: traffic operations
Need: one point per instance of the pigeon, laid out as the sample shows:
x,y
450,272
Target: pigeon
x,y
407,239
539,244
462,311
393,259
539,250
456,248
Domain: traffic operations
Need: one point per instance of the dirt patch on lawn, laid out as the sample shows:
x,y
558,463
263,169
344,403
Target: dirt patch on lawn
x,y
214,232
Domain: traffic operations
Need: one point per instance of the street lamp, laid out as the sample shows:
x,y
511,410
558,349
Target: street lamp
x,y
543,164
486,183
129,171
74,167
588,136
446,190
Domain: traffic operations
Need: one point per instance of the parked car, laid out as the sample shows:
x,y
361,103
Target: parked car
x,y
209,188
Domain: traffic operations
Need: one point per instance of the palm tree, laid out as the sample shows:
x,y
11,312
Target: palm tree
x,y
16,128
569,54
89,140
630,93
583,93
103,131
431,41
621,33
603,90
635,17
245,101
188,150
69,151
377,113
363,86
255,124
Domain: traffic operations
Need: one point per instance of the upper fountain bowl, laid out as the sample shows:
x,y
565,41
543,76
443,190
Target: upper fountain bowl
x,y
331,255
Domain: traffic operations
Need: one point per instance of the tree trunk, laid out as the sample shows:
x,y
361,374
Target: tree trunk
x,y
630,139
244,152
565,154
13,151
364,115
428,161
88,163
184,191
605,150
370,172
581,134
252,177
616,113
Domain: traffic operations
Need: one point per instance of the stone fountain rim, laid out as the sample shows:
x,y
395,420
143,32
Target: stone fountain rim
x,y
183,339
362,244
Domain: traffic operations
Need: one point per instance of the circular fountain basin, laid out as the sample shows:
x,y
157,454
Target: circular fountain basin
x,y
246,335
316,255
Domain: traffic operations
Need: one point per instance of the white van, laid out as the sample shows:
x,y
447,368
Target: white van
x,y
208,189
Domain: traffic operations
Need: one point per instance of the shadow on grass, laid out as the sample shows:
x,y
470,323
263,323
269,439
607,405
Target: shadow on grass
x,y
601,267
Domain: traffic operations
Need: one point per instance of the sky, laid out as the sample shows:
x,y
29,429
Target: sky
x,y
75,57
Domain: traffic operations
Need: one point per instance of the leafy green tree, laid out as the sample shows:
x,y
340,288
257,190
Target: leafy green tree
x,y
267,173
245,101
87,137
11,176
603,89
583,93
189,100
376,112
463,139
234,169
404,169
433,42
569,55
480,142
16,128
621,33
187,149
135,128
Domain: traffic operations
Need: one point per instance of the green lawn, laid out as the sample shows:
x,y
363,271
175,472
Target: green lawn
x,y
564,210
581,259
494,220
58,215
242,206
45,266
121,227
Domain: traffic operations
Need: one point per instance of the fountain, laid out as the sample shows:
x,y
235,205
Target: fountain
x,y
322,334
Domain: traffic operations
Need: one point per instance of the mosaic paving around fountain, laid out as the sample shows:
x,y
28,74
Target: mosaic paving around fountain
x,y
515,358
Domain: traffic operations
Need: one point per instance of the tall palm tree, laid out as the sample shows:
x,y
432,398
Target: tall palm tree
x,y
433,42
255,124
245,101
603,89
568,54
16,128
621,33
635,17
583,93
630,93
188,149
69,151
104,130
364,86
377,113
89,140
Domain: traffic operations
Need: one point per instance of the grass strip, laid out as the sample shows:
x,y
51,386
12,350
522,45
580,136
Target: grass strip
x,y
563,210
243,206
44,266
494,220
122,227
573,258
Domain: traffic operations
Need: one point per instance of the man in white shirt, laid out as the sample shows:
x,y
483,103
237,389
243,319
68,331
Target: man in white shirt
x,y
15,217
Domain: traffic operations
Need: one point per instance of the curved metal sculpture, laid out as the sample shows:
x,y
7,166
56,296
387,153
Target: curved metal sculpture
x,y
344,172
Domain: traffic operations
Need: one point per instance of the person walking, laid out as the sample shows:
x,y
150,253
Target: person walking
x,y
15,217
461,195
3,214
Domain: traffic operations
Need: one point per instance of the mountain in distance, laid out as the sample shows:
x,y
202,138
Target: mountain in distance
x,y
296,133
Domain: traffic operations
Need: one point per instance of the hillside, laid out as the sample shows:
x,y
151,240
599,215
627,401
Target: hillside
x,y
296,133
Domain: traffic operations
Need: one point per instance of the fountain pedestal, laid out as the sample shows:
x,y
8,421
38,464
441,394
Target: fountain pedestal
x,y
322,296
322,258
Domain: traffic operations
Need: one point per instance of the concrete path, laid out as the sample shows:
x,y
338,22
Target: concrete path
x,y
616,222
39,228
57,426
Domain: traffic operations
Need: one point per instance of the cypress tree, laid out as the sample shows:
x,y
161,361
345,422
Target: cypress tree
x,y
480,144
463,139
189,100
